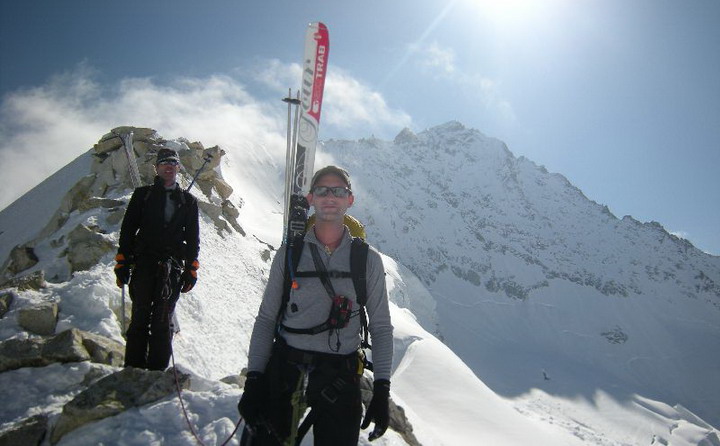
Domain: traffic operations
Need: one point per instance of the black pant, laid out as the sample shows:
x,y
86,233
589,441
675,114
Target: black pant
x,y
154,291
333,394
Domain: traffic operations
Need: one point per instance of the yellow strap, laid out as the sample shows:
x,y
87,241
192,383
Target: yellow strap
x,y
361,362
299,405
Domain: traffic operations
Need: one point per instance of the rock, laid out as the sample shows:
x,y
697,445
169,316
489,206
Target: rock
x,y
123,390
86,247
34,281
222,188
69,346
231,213
65,347
108,143
235,380
6,299
115,216
21,258
39,319
139,133
103,350
18,353
215,213
196,145
95,203
28,432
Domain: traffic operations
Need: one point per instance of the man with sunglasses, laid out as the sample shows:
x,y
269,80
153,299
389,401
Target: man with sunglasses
x,y
298,355
159,244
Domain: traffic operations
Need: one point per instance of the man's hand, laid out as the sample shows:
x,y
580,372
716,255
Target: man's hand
x,y
378,410
122,270
189,276
253,397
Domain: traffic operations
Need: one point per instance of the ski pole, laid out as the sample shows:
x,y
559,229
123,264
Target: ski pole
x,y
290,153
207,159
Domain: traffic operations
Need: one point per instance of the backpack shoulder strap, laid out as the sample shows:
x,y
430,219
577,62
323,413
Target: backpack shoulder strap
x,y
358,268
185,197
148,190
292,254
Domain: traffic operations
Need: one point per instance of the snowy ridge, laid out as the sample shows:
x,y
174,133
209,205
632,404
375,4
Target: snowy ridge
x,y
522,360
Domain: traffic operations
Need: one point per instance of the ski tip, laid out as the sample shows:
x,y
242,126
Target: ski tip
x,y
319,25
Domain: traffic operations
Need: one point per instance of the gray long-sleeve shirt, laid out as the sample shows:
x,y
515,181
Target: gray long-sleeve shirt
x,y
309,306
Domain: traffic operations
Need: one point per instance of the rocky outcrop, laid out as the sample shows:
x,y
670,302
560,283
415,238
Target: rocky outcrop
x,y
86,243
28,432
39,319
114,394
69,346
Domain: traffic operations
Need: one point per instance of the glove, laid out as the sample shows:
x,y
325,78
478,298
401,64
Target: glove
x,y
189,276
378,410
251,403
122,270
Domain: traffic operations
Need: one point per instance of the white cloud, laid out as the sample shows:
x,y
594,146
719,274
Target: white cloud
x,y
352,105
441,63
45,128
276,75
439,59
351,109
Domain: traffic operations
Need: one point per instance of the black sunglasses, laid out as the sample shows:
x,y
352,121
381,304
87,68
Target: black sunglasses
x,y
170,162
338,191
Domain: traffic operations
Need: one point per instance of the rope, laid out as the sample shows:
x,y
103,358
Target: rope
x,y
185,414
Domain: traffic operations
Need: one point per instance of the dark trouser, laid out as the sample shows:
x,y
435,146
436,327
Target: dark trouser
x,y
333,394
154,291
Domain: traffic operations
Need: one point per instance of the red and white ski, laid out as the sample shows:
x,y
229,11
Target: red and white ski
x,y
301,145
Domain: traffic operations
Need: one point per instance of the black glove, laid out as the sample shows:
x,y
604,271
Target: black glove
x,y
122,269
378,410
252,401
189,276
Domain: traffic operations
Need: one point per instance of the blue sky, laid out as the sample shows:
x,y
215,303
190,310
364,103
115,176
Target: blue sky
x,y
622,97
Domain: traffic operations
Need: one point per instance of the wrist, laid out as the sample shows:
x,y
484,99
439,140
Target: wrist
x,y
381,386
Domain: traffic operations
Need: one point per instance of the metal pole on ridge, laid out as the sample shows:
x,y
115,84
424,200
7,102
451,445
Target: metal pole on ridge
x,y
206,160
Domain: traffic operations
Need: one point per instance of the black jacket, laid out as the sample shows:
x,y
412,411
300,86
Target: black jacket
x,y
144,232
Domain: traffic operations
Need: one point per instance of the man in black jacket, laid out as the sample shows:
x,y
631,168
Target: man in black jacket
x,y
159,244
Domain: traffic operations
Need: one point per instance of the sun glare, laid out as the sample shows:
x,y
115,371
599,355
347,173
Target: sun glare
x,y
510,12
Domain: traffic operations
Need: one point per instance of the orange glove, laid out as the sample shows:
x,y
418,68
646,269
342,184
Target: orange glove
x,y
189,276
122,270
